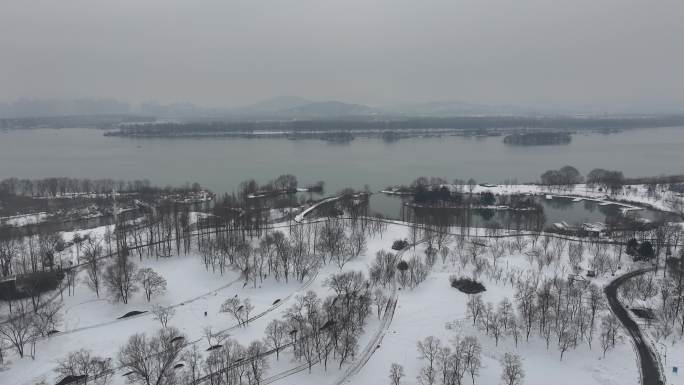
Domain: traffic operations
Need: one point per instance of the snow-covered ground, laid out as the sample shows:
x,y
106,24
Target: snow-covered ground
x,y
24,220
432,308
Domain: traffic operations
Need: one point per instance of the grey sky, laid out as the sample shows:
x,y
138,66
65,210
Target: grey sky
x,y
231,52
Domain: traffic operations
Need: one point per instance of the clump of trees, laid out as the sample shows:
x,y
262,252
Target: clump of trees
x,y
150,360
123,279
606,180
562,179
285,183
61,186
26,324
332,241
97,370
538,138
119,278
640,250
562,311
448,364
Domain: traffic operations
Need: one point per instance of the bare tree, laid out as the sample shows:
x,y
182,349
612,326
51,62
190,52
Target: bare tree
x,y
276,335
10,248
496,250
610,327
357,242
193,361
119,278
428,349
233,307
92,251
163,314
380,300
475,307
19,330
567,339
258,365
247,308
84,363
513,373
48,317
471,186
396,373
150,359
418,271
151,282
576,254
239,311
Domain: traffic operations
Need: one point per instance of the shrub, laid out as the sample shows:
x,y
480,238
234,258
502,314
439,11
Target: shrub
x,y
400,244
466,285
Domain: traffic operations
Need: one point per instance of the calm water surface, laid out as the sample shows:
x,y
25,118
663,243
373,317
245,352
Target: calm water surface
x,y
221,164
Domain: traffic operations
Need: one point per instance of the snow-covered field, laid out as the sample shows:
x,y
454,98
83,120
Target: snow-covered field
x,y
432,308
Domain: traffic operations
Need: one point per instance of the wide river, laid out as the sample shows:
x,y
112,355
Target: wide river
x,y
221,164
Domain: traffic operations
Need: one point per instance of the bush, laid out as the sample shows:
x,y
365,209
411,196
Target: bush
x,y
400,244
467,285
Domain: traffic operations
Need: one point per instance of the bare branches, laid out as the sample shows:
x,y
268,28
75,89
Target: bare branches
x,y
150,359
152,283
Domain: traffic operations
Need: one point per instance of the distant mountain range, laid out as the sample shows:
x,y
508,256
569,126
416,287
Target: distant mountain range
x,y
293,106
285,107
281,107
279,103
450,108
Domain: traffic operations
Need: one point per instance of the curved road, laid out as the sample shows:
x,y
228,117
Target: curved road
x,y
650,369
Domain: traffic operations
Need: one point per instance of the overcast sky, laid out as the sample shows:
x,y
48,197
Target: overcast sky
x,y
231,52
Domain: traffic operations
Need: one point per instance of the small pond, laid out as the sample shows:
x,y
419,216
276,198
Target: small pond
x,y
554,210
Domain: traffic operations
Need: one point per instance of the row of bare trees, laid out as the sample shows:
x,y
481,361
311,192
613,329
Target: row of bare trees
x,y
284,257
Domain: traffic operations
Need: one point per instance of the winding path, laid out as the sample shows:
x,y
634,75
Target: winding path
x,y
376,339
650,368
373,344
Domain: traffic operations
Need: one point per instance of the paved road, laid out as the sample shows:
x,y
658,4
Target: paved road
x,y
650,369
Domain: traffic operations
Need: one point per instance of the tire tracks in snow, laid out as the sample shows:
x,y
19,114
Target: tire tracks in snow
x,y
374,344
195,341
276,305
145,314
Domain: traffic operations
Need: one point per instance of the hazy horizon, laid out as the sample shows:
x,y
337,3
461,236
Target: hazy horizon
x,y
605,55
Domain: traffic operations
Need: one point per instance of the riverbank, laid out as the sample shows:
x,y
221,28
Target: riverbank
x,y
632,197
